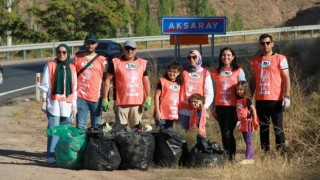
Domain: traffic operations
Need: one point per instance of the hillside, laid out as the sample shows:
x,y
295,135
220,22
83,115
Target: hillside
x,y
255,14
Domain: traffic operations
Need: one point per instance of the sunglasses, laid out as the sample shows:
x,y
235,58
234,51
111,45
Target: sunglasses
x,y
191,57
265,43
62,52
128,48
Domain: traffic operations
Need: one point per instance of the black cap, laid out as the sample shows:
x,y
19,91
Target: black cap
x,y
91,37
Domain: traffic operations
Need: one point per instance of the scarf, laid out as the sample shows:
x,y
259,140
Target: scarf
x,y
58,87
194,68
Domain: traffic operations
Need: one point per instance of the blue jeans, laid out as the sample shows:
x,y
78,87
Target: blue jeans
x,y
83,107
52,140
184,121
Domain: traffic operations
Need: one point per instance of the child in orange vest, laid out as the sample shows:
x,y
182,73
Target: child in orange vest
x,y
247,118
166,98
199,114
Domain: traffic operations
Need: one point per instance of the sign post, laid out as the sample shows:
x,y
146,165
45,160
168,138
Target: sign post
x,y
194,26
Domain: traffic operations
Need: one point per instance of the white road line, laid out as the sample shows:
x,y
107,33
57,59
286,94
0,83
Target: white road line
x,y
28,87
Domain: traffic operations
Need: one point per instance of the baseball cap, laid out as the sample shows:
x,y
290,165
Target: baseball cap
x,y
130,43
91,37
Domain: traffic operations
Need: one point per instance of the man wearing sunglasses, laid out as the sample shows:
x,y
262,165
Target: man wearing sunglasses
x,y
271,83
132,86
89,82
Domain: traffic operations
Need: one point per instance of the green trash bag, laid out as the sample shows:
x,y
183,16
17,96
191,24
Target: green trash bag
x,y
71,147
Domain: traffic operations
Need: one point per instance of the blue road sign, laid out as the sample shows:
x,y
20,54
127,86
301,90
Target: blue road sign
x,y
194,25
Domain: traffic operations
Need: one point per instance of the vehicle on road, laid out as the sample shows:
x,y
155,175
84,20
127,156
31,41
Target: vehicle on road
x,y
107,48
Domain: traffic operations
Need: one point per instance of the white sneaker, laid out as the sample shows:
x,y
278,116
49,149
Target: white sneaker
x,y
51,160
247,161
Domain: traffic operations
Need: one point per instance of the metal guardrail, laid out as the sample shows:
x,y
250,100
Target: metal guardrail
x,y
162,38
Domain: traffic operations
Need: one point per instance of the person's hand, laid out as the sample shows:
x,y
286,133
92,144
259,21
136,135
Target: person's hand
x,y
147,103
158,116
44,107
74,112
286,102
105,104
214,114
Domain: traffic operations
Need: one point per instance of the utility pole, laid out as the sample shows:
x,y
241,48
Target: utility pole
x,y
9,37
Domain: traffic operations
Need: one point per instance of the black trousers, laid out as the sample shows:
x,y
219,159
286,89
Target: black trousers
x,y
270,112
227,119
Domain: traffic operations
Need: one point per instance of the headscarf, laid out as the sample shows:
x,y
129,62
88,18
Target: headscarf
x,y
58,87
194,68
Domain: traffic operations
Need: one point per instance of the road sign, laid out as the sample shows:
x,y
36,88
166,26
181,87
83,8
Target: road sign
x,y
189,39
193,25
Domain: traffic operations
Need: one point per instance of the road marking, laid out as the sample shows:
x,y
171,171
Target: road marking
x,y
9,92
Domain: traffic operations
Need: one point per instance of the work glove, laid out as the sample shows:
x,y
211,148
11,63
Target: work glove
x,y
105,104
44,107
286,102
147,103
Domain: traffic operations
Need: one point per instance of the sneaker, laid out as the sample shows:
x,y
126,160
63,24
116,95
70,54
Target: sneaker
x,y
51,160
247,161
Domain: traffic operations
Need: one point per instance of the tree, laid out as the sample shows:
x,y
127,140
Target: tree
x,y
199,8
166,10
140,18
73,19
11,22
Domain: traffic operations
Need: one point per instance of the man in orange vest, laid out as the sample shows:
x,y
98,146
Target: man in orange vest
x,y
132,86
271,81
89,82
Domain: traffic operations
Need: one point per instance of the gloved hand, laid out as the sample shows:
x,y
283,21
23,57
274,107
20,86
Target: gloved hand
x,y
44,107
147,103
286,102
105,104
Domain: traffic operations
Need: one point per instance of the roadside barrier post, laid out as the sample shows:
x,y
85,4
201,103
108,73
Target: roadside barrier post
x,y
37,86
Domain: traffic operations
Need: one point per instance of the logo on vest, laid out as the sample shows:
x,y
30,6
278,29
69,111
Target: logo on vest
x,y
239,106
174,87
265,64
131,66
194,76
226,73
83,64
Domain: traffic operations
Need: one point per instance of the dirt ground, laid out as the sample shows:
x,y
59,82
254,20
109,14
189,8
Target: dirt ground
x,y
23,147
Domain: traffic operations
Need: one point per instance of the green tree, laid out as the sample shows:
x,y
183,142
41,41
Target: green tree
x,y
166,10
73,19
140,18
199,8
237,23
18,28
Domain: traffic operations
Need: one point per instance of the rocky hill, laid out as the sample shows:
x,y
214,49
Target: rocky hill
x,y
255,14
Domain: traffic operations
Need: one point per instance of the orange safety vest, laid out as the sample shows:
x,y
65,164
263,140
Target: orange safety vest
x,y
89,81
192,83
129,84
169,100
52,66
242,114
201,121
225,91
268,77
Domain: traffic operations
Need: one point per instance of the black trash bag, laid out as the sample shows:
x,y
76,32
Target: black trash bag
x,y
205,154
103,130
101,154
136,149
206,146
170,149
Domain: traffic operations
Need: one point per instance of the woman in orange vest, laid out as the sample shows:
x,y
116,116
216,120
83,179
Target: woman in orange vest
x,y
225,78
247,118
59,94
166,98
199,114
196,79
